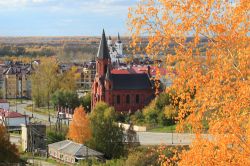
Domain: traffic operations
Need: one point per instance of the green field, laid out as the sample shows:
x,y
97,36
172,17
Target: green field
x,y
163,129
42,110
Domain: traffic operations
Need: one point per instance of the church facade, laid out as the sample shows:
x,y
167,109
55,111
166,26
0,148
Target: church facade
x,y
116,50
124,91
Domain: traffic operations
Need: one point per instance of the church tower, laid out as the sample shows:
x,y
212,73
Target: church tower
x,y
102,62
119,45
109,41
103,57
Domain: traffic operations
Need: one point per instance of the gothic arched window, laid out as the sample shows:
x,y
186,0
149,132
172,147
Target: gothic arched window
x,y
127,99
137,99
118,99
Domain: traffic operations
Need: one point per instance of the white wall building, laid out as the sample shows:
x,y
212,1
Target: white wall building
x,y
4,105
12,119
116,50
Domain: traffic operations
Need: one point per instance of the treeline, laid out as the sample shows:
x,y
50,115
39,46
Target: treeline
x,y
33,51
64,51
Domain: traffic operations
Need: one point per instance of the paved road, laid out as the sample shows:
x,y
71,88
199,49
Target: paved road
x,y
39,162
21,109
145,138
152,138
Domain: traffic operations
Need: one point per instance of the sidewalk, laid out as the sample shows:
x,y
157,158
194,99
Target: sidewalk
x,y
40,162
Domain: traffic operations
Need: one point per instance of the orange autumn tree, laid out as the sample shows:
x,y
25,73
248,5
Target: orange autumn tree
x,y
8,151
79,129
206,45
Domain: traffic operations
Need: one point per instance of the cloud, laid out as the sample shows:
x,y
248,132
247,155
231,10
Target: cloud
x,y
92,6
11,3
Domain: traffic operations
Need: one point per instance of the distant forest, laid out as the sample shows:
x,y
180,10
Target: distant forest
x,y
65,48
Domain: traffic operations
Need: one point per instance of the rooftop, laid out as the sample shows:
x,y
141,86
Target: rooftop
x,y
74,149
131,81
10,114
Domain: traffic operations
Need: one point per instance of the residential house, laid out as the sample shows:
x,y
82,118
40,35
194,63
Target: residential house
x,y
4,104
72,152
13,120
17,81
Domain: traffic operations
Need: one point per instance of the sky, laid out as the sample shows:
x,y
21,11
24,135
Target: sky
x,y
63,17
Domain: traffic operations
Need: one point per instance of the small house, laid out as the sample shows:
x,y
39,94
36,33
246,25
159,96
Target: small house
x,y
72,152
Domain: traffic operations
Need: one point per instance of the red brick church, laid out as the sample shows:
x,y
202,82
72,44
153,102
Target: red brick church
x,y
123,91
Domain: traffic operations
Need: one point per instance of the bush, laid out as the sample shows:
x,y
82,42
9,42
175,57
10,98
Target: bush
x,y
151,116
160,111
162,100
142,158
53,136
137,118
122,117
85,101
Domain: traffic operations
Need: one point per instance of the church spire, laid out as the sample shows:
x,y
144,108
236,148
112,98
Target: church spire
x,y
103,51
118,38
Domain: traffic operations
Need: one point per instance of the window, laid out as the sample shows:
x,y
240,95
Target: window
x,y
127,99
105,69
137,99
118,99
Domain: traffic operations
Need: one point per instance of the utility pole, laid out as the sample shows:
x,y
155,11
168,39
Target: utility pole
x,y
172,128
16,91
31,142
32,108
49,111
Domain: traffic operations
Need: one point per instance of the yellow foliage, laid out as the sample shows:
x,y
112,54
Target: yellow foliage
x,y
219,75
79,129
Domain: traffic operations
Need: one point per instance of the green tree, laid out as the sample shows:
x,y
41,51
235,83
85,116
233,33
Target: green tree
x,y
44,82
8,151
85,101
137,118
67,80
162,100
107,136
158,112
53,136
65,98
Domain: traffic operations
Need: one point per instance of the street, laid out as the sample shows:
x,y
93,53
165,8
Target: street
x,y
21,109
145,138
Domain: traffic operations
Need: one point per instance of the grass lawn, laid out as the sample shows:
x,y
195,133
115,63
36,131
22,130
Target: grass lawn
x,y
42,110
24,156
163,129
18,101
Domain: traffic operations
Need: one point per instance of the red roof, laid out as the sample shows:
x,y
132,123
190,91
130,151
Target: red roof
x,y
120,71
3,101
139,70
144,69
9,114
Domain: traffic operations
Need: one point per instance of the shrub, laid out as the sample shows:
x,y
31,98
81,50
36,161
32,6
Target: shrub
x,y
137,118
139,158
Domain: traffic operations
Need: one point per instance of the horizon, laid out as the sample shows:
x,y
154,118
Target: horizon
x,y
63,18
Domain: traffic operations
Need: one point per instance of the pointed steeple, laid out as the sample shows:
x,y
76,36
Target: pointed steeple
x,y
103,51
108,74
118,38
